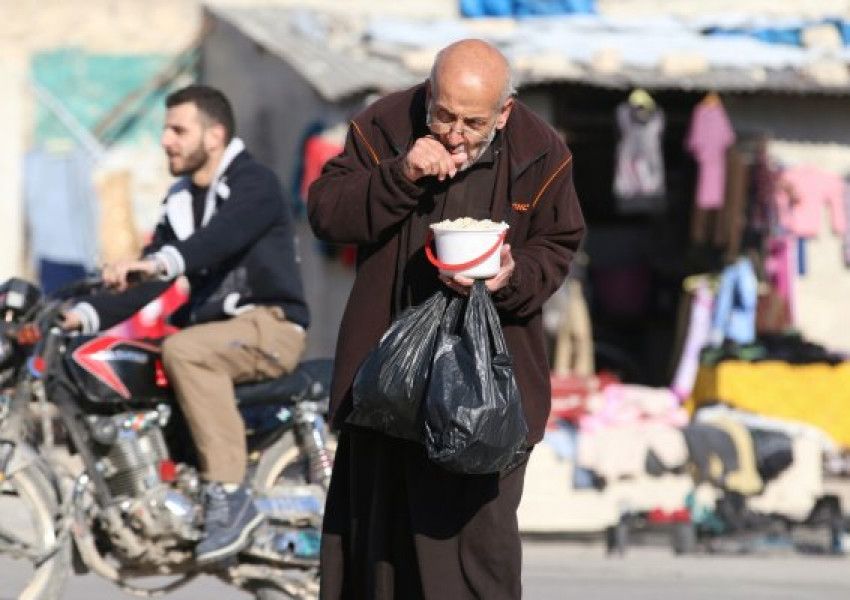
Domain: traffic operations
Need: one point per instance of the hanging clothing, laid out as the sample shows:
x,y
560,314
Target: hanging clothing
x,y
52,275
639,168
699,326
773,313
61,208
730,234
780,269
801,193
709,135
761,189
706,226
318,149
574,338
734,315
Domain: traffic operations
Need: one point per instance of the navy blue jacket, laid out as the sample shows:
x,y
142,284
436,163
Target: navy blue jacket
x,y
242,255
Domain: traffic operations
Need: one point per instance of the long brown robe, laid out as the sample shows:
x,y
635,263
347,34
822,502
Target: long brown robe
x,y
363,198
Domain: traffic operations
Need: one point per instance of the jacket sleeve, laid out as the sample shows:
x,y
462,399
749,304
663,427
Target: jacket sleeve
x,y
104,310
255,204
555,233
359,196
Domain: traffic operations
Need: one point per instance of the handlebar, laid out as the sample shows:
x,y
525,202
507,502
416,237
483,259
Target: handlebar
x,y
136,277
92,283
89,283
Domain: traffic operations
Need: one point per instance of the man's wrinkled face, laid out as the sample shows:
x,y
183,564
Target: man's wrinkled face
x,y
465,119
183,139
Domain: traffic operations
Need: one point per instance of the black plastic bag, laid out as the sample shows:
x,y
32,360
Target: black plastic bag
x,y
474,422
391,382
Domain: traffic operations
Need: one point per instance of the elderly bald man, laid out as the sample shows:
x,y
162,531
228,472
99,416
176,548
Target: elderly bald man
x,y
458,145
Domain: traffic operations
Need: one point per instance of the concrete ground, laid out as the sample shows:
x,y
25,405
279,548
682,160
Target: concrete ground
x,y
559,570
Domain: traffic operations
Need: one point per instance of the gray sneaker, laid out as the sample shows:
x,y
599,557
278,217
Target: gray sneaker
x,y
229,521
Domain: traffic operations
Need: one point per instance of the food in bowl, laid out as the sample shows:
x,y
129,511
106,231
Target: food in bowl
x,y
469,223
468,247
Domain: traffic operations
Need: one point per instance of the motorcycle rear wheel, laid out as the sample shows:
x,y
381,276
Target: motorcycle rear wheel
x,y
285,461
28,507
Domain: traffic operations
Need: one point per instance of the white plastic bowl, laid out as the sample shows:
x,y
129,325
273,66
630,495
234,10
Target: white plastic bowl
x,y
459,246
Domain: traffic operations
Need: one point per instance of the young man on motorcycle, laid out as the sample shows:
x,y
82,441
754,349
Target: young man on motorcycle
x,y
227,228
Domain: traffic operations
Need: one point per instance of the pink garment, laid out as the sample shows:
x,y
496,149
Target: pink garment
x,y
800,195
779,267
628,404
699,326
709,135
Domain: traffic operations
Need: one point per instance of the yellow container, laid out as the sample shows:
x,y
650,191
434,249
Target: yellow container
x,y
818,394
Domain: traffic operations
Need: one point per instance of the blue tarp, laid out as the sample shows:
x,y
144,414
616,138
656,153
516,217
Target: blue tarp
x,y
787,34
579,38
520,8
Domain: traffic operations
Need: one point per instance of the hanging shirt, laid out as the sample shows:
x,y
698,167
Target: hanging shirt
x,y
734,315
709,135
699,327
801,194
639,175
317,151
779,267
61,206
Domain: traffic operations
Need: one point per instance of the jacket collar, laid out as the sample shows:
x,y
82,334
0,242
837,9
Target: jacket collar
x,y
178,203
527,142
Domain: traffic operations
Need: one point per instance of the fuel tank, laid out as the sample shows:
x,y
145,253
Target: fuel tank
x,y
115,370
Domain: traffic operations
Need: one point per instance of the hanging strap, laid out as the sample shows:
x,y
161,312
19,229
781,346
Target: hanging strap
x,y
462,266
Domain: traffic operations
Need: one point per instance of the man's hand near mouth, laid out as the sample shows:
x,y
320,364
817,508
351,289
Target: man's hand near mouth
x,y
428,157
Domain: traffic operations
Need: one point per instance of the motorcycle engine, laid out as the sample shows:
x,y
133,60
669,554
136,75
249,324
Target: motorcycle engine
x,y
154,493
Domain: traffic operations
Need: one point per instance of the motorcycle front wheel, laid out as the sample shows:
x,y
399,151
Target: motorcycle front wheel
x,y
28,510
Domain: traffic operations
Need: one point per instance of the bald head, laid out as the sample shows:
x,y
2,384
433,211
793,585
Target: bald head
x,y
473,67
470,96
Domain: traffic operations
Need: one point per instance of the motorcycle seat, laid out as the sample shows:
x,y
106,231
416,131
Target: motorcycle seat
x,y
309,381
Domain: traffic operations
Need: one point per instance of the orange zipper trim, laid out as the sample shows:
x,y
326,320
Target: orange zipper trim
x,y
551,178
369,147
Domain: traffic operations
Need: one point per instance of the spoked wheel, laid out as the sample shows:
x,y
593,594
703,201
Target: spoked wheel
x,y
28,509
285,464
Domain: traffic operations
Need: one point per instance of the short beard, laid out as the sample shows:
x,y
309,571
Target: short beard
x,y
194,161
482,148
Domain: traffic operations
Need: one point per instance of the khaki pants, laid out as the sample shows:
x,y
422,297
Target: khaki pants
x,y
203,362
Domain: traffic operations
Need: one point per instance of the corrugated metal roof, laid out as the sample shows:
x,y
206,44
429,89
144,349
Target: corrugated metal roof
x,y
335,72
342,56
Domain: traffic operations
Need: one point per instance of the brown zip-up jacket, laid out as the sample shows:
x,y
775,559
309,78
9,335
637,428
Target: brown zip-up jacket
x,y
363,198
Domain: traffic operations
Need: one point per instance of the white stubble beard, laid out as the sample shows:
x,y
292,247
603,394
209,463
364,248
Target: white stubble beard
x,y
482,148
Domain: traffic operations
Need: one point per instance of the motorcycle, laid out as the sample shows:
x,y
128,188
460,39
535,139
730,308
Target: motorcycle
x,y
98,472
